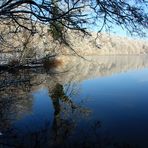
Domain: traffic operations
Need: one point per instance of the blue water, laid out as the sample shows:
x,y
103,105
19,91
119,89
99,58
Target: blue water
x,y
106,112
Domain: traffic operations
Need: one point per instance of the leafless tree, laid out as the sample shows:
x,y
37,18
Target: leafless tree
x,y
76,14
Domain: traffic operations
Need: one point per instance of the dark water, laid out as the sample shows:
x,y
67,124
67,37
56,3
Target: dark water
x,y
102,103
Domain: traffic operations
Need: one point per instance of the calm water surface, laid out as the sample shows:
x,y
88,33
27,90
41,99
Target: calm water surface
x,y
102,102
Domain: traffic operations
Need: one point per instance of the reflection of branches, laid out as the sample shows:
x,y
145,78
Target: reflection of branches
x,y
15,89
62,127
58,95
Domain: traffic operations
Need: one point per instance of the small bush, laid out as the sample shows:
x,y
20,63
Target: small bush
x,y
51,63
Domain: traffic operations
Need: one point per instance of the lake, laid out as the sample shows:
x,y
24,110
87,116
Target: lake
x,y
97,102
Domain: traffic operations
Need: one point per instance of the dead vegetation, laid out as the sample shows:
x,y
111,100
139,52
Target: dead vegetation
x,y
51,63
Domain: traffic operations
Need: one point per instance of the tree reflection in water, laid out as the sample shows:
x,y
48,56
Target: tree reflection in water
x,y
63,127
65,131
